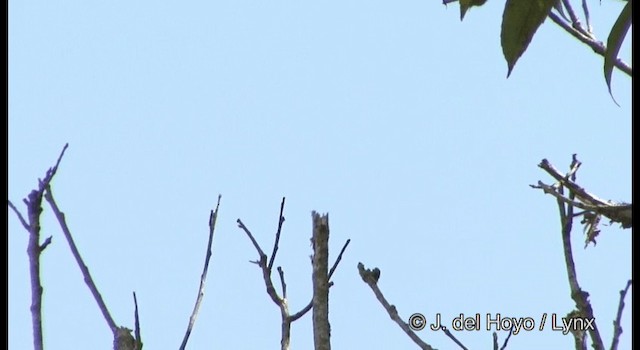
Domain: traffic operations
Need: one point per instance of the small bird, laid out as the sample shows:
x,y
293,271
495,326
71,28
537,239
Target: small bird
x,y
375,274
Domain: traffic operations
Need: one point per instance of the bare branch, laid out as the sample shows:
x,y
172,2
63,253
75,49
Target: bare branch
x,y
282,282
335,264
277,239
596,46
574,19
203,277
580,297
85,271
617,329
320,277
137,323
45,244
271,291
506,340
306,309
585,9
371,277
253,240
616,212
19,215
35,249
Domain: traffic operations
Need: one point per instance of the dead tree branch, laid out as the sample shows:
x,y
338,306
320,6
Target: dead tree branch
x,y
617,329
586,37
331,271
266,264
616,212
371,278
137,323
117,332
35,249
584,310
320,277
203,277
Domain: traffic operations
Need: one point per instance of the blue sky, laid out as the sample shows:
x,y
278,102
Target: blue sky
x,y
396,118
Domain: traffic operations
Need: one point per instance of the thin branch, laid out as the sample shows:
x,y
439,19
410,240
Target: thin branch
x,y
453,338
203,277
617,329
335,264
19,215
370,277
35,249
277,240
574,19
137,323
596,46
306,309
282,282
580,297
266,276
253,240
506,341
585,9
617,212
76,254
45,244
266,267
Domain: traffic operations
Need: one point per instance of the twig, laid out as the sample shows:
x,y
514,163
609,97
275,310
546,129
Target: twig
x,y
617,212
370,277
203,277
596,46
76,254
574,19
580,297
617,329
137,323
266,267
253,240
277,239
35,249
19,215
453,338
331,271
339,258
506,340
585,9
271,291
282,282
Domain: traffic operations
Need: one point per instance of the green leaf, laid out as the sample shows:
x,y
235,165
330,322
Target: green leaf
x,y
467,4
616,37
520,20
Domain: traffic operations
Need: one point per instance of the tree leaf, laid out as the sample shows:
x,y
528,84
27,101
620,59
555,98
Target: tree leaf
x,y
467,4
520,20
616,37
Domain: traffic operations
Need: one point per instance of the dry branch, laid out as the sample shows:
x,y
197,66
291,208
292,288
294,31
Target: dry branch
x,y
617,329
371,278
614,211
266,264
35,249
137,323
117,331
580,198
203,277
320,277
